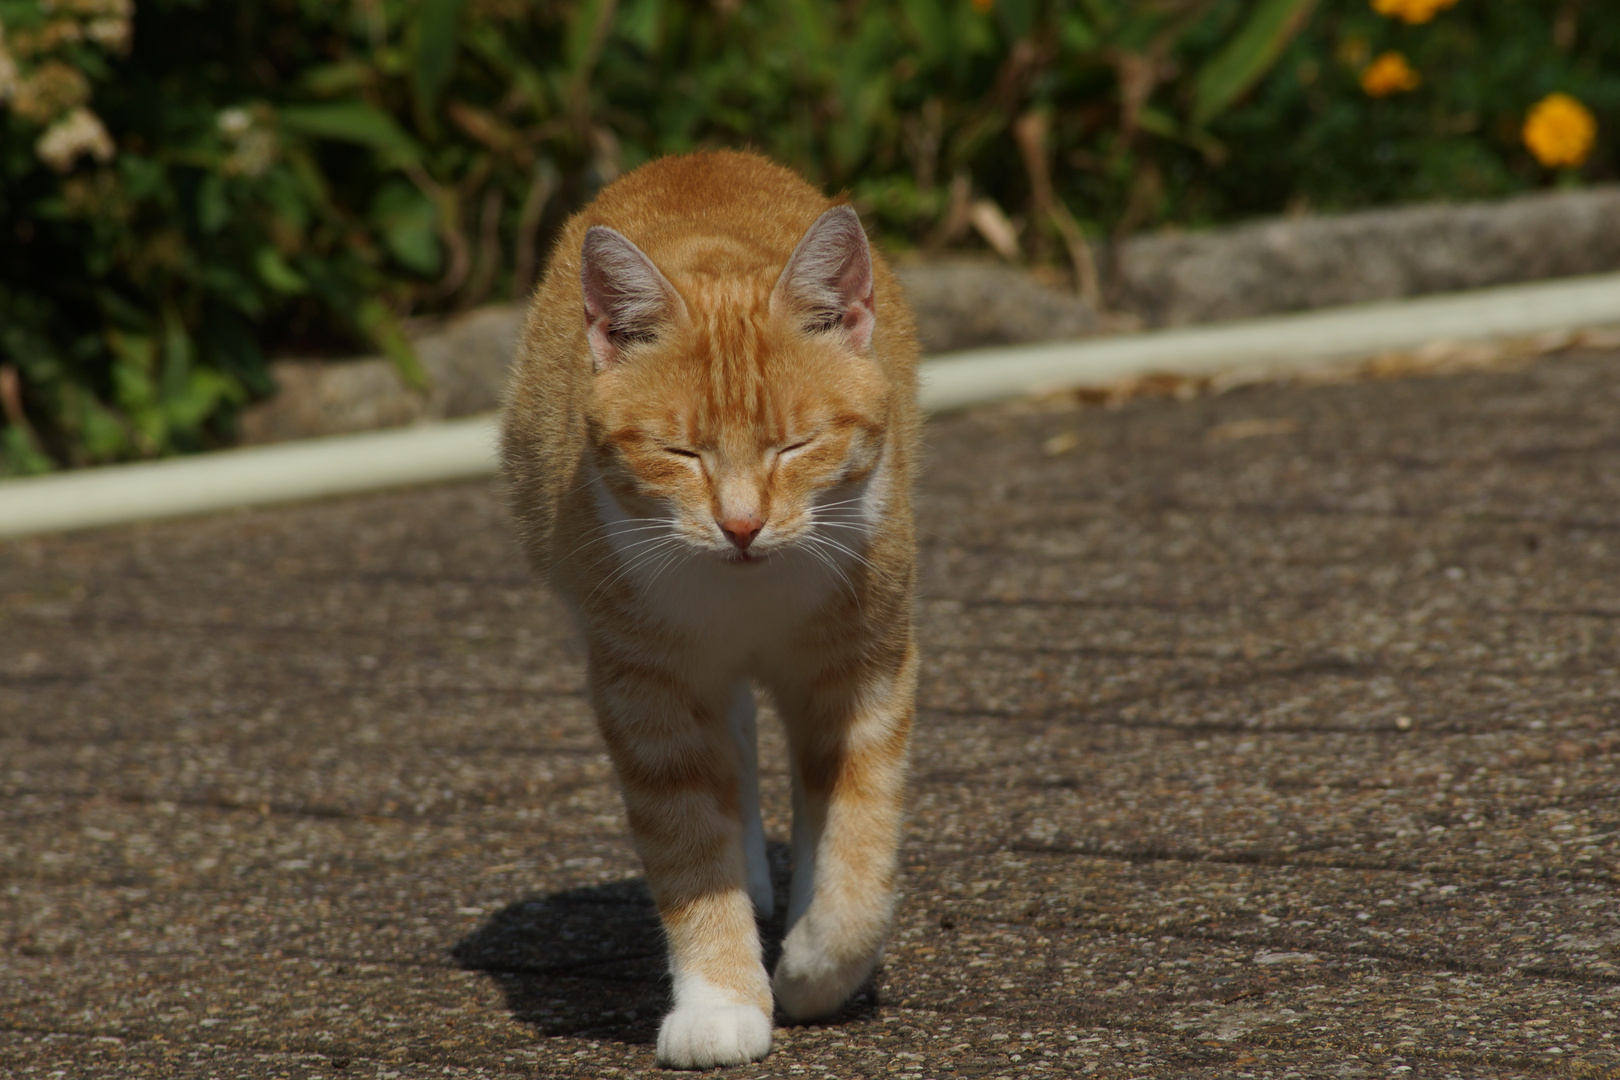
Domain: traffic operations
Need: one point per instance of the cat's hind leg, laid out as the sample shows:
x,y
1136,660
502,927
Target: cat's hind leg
x,y
745,733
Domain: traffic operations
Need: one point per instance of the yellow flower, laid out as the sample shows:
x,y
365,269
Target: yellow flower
x,y
1389,74
1560,131
1411,11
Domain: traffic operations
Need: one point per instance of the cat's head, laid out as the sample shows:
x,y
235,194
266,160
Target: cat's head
x,y
742,415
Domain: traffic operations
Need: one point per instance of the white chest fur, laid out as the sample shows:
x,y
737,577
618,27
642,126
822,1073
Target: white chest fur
x,y
745,613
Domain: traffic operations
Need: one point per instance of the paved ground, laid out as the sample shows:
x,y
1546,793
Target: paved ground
x,y
1268,734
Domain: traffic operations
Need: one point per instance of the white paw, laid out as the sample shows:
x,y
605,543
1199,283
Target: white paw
x,y
703,1036
811,981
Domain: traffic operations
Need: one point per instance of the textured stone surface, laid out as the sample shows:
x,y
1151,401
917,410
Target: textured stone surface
x,y
1244,749
1312,262
464,358
1168,280
966,304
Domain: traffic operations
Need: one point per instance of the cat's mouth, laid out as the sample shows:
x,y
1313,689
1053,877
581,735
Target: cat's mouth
x,y
744,558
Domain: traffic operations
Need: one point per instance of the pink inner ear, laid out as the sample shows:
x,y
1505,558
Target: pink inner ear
x,y
828,279
627,298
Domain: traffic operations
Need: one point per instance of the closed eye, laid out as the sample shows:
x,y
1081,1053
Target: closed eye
x,y
678,452
800,445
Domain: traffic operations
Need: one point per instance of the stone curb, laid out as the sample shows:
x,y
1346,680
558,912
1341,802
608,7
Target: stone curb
x,y
1279,344
1302,264
1166,280
249,476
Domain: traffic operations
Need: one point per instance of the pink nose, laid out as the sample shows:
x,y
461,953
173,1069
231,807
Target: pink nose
x,y
742,530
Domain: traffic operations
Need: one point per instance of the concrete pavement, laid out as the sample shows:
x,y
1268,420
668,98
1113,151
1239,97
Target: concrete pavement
x,y
1272,733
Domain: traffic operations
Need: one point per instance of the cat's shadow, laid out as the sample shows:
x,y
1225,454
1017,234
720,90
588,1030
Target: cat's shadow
x,y
589,962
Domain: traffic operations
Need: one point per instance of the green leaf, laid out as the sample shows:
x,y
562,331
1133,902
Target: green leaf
x,y
811,29
931,29
582,31
190,405
274,272
143,177
409,225
1104,13
642,23
330,80
352,121
136,352
437,26
227,342
101,436
384,330
178,355
1247,57
213,206
239,291
18,14
136,391
18,455
1139,27
1155,122
1017,17
1076,34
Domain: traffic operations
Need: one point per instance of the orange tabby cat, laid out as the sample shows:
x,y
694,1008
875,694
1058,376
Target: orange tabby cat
x,y
709,440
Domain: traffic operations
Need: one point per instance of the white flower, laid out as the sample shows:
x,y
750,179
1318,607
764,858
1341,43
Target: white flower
x,y
78,133
254,154
234,123
110,32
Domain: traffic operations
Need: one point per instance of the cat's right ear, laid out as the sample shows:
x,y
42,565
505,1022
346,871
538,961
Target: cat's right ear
x,y
628,300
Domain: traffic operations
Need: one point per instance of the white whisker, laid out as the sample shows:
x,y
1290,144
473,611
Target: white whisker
x,y
630,565
629,550
857,556
831,563
675,556
602,528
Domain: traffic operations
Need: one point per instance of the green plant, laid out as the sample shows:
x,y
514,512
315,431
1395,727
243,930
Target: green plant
x,y
1055,112
293,175
143,271
227,181
1457,135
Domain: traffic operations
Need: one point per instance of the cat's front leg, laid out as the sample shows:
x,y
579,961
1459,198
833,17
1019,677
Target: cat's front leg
x,y
722,1005
675,757
849,741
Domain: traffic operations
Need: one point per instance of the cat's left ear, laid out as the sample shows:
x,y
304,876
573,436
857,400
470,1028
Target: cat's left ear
x,y
828,280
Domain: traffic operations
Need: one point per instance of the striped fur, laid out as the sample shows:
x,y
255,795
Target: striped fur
x,y
759,383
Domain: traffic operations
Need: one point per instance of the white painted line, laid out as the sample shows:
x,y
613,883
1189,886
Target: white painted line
x,y
1284,342
251,476
458,449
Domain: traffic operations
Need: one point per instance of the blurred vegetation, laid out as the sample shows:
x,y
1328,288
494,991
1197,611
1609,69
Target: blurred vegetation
x,y
187,187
